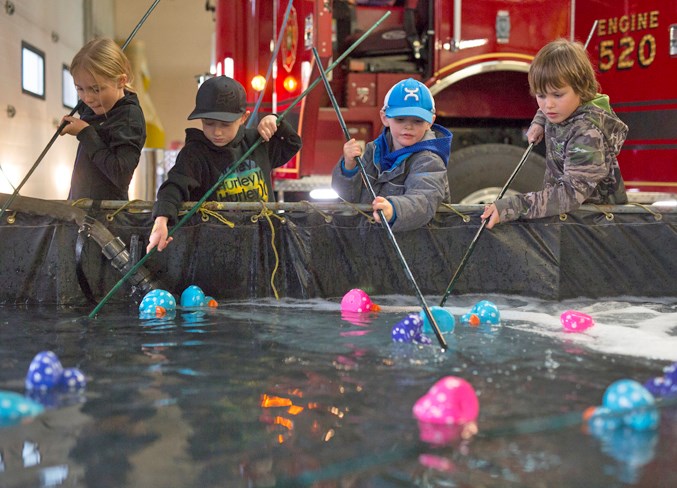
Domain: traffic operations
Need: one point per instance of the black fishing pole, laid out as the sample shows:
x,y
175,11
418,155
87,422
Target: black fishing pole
x,y
384,221
235,165
454,278
63,124
467,254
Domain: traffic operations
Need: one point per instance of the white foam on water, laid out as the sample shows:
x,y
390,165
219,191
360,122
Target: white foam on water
x,y
633,327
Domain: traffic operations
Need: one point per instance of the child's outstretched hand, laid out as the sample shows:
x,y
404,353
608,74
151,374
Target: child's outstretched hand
x,y
351,150
267,127
73,125
535,133
158,236
383,204
491,213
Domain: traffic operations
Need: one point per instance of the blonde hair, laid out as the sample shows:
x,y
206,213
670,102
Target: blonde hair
x,y
561,63
103,58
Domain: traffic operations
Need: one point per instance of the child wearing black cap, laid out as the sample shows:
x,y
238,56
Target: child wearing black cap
x,y
406,164
221,105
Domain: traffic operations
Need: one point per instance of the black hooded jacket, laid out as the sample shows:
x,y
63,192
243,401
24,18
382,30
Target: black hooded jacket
x,y
200,164
109,151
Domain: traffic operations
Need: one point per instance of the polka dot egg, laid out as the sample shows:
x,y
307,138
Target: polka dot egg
x,y
193,296
44,371
72,379
14,407
483,312
629,395
154,299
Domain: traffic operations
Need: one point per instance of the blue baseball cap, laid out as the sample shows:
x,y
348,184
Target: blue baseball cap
x,y
409,98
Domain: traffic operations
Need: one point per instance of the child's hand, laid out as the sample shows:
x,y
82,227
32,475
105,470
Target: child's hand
x,y
267,127
351,150
383,204
158,236
491,213
535,134
73,125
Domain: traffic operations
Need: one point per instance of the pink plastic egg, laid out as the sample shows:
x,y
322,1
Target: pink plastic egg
x,y
450,401
574,321
356,300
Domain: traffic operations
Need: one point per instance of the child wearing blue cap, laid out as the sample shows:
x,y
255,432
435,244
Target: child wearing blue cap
x,y
407,163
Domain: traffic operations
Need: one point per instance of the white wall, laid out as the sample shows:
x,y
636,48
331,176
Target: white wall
x,y
177,38
56,28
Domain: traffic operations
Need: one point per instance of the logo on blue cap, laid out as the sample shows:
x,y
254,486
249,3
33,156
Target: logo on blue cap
x,y
410,98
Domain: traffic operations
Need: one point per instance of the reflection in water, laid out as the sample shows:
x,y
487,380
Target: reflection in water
x,y
292,394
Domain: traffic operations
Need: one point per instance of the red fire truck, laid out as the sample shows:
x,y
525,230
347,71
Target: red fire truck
x,y
475,57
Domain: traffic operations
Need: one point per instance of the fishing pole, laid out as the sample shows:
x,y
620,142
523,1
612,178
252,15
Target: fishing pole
x,y
467,254
384,221
278,43
61,127
235,165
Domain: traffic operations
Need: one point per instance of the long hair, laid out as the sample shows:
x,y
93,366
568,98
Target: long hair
x,y
103,58
561,63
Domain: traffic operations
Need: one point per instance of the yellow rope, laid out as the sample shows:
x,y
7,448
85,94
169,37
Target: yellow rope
x,y
267,213
466,218
608,215
370,218
111,216
206,213
77,202
327,218
656,215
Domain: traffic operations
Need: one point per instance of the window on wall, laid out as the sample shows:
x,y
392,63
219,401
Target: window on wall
x,y
69,94
32,71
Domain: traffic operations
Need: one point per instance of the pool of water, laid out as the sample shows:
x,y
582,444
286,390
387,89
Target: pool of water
x,y
290,393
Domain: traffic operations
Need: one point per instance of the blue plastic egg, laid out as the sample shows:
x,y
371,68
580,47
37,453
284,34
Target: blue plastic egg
x,y
444,319
486,311
44,371
193,296
629,395
154,299
409,329
72,379
14,407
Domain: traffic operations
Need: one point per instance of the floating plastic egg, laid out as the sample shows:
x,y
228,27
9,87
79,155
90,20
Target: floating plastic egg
x,y
357,300
629,395
193,296
483,312
443,318
410,329
72,379
574,321
451,400
44,371
14,407
157,303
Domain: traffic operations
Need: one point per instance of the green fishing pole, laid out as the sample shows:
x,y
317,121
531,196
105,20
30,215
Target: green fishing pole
x,y
235,165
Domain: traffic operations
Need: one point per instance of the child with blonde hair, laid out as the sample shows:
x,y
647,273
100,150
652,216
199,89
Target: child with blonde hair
x,y
111,127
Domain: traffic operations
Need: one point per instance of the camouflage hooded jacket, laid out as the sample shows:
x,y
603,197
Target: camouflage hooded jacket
x,y
581,164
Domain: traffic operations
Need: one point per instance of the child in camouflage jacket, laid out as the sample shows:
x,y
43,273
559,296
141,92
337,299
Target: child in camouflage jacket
x,y
583,137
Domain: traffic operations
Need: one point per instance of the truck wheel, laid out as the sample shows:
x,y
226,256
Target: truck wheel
x,y
478,173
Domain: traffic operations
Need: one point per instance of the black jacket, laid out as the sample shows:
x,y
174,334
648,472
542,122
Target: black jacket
x,y
200,164
109,151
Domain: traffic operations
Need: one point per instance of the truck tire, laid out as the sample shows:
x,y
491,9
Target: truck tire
x,y
478,173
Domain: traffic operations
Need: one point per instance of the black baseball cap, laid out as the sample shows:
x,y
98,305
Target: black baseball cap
x,y
220,98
